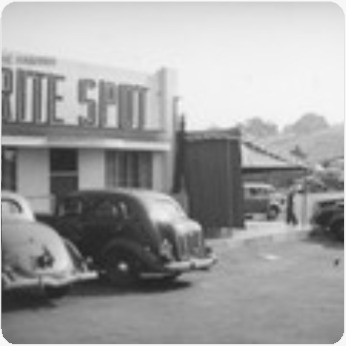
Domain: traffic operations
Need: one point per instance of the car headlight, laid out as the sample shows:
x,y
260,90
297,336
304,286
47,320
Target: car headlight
x,y
45,260
166,250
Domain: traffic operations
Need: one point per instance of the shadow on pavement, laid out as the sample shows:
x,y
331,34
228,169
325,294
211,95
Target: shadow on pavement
x,y
13,301
21,300
325,239
103,288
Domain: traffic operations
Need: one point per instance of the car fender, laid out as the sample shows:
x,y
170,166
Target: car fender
x,y
336,219
78,260
140,252
24,242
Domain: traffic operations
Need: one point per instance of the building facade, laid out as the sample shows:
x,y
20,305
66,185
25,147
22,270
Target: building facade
x,y
69,126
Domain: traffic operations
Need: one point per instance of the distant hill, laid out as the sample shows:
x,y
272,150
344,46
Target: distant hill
x,y
318,146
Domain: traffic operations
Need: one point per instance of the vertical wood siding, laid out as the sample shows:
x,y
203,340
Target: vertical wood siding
x,y
213,182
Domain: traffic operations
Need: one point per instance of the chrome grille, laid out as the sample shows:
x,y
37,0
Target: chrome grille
x,y
190,245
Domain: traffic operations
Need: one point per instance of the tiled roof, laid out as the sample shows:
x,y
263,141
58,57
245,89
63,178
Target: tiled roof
x,y
254,155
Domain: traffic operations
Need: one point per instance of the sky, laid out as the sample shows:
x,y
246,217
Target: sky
x,y
234,60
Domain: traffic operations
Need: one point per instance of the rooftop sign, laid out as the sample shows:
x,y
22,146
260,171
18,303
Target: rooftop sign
x,y
46,91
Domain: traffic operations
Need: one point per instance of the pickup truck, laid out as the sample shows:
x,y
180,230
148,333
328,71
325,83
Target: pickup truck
x,y
262,199
128,234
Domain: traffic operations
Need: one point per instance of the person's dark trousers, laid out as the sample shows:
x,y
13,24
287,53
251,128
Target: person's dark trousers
x,y
291,219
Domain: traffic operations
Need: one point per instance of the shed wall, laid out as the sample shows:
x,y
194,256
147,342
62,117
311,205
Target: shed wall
x,y
214,182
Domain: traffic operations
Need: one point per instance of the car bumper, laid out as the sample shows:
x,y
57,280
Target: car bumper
x,y
13,281
191,264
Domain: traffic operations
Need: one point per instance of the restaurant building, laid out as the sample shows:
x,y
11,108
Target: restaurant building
x,y
68,126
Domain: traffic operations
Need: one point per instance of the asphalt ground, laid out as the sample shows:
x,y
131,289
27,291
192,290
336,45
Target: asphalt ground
x,y
288,291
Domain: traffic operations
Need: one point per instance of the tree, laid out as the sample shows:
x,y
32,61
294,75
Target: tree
x,y
308,123
258,128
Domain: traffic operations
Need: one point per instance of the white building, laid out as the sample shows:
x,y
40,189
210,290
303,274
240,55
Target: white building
x,y
68,126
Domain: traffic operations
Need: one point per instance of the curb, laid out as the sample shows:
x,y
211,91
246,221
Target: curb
x,y
242,239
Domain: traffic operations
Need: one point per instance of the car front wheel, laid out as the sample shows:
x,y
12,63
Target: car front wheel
x,y
273,213
338,229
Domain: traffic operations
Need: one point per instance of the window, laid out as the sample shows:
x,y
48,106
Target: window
x,y
112,208
63,160
256,192
8,169
63,171
107,209
10,208
70,206
128,169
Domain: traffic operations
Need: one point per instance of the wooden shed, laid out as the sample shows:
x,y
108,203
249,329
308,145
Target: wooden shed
x,y
213,179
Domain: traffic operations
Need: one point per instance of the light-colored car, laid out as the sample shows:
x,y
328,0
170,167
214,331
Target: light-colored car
x,y
262,198
33,254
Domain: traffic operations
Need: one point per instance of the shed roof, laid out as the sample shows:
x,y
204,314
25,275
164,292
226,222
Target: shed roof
x,y
255,156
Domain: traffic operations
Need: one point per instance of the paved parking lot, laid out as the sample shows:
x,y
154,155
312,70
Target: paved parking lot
x,y
267,292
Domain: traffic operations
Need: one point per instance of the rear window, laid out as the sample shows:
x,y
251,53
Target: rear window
x,y
10,208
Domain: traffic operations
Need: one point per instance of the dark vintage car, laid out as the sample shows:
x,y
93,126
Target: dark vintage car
x,y
131,233
328,216
34,256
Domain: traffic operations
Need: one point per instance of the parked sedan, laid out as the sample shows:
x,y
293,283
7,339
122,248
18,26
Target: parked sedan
x,y
130,234
33,254
328,216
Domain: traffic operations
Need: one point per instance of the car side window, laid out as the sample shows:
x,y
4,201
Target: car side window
x,y
253,193
113,208
264,193
10,208
70,207
107,208
256,193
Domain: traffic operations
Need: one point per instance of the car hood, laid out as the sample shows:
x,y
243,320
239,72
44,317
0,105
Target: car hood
x,y
186,226
30,248
178,228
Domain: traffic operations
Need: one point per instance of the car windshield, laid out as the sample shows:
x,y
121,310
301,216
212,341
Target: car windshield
x,y
162,209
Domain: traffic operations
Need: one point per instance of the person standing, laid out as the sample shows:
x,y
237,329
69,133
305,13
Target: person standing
x,y
290,212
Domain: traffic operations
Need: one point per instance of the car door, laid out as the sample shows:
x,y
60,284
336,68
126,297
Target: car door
x,y
251,200
262,200
69,219
101,224
256,200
